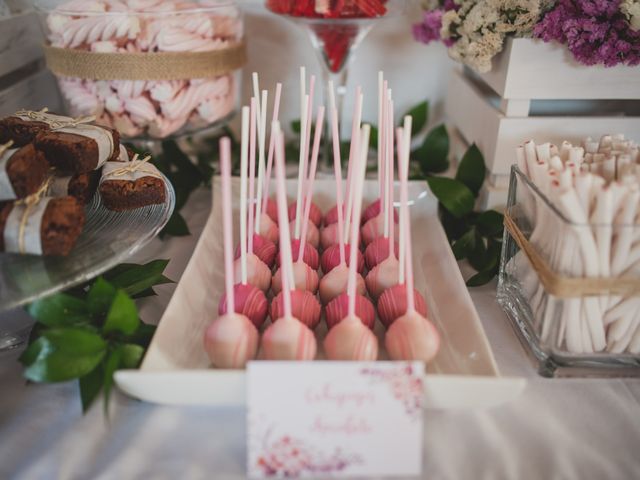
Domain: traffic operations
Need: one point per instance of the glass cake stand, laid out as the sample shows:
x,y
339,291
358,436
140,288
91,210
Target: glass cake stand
x,y
108,238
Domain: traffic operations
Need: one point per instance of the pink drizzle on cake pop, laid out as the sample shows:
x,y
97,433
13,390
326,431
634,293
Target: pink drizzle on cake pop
x,y
310,256
377,251
263,248
335,283
330,258
304,306
250,301
315,214
338,309
304,278
393,304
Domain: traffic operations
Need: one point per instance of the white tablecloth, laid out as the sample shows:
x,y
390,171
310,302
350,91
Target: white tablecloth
x,y
569,429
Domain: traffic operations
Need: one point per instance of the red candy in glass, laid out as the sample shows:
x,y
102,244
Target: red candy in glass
x,y
336,39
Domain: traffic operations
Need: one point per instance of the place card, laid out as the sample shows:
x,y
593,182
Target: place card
x,y
338,419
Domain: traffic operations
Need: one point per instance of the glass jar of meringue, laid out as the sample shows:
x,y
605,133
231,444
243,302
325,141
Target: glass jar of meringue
x,y
148,68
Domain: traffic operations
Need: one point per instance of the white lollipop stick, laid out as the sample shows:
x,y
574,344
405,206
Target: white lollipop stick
x,y
381,92
244,152
283,219
358,174
337,169
312,176
354,150
262,134
252,170
390,172
272,144
301,170
404,202
307,132
403,219
384,174
225,167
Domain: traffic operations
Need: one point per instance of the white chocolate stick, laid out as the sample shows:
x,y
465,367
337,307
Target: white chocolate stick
x,y
252,171
312,175
272,144
386,164
354,151
227,223
262,134
390,177
244,153
404,204
283,219
381,93
403,218
301,169
337,169
358,178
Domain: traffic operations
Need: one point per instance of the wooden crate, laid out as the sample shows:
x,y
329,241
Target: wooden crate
x,y
24,80
501,110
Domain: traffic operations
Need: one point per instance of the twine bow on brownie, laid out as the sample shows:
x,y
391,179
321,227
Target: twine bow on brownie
x,y
29,203
55,123
132,167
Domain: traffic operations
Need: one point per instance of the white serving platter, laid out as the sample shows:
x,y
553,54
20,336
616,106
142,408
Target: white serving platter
x,y
177,371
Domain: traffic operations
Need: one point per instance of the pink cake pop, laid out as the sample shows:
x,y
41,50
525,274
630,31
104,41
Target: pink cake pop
x,y
338,309
377,251
330,258
411,336
350,338
393,304
264,249
287,338
231,339
385,274
304,278
310,256
315,214
271,209
249,268
249,301
373,210
304,305
335,281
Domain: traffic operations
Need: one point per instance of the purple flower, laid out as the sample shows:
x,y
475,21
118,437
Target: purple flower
x,y
429,29
595,32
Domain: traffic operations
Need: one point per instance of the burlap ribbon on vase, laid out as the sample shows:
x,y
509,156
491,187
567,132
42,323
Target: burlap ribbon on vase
x,y
562,286
68,62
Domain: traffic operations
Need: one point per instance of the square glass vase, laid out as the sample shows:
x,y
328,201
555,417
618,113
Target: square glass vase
x,y
569,333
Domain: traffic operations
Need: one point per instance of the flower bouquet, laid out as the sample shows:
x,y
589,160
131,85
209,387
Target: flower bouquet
x,y
596,32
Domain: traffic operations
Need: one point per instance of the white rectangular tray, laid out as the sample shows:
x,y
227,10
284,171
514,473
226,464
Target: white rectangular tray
x,y
177,371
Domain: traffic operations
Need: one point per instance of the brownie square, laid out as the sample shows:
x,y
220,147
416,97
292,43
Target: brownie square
x,y
121,193
26,169
72,153
62,223
22,130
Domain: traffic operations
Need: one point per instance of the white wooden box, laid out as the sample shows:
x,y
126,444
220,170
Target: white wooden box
x,y
535,91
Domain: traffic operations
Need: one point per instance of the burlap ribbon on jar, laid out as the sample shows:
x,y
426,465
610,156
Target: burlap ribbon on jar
x,y
562,286
68,62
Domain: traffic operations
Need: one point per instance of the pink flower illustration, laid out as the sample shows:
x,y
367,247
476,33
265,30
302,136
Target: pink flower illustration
x,y
291,457
405,383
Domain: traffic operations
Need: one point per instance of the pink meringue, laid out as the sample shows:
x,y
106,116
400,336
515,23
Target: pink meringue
x,y
249,301
231,341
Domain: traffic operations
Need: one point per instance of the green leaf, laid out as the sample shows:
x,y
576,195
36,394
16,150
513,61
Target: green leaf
x,y
420,114
131,355
100,297
176,226
62,354
59,310
471,170
110,366
453,195
190,176
464,245
134,279
373,138
433,154
295,126
484,256
122,316
482,278
90,385
454,227
143,335
490,223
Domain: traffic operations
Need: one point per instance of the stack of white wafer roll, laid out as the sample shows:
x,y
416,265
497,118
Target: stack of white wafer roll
x,y
596,188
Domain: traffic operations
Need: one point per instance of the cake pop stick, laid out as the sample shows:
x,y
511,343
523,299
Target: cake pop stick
x,y
353,155
231,340
261,167
287,338
381,92
307,133
337,169
272,144
412,336
351,339
301,168
252,170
